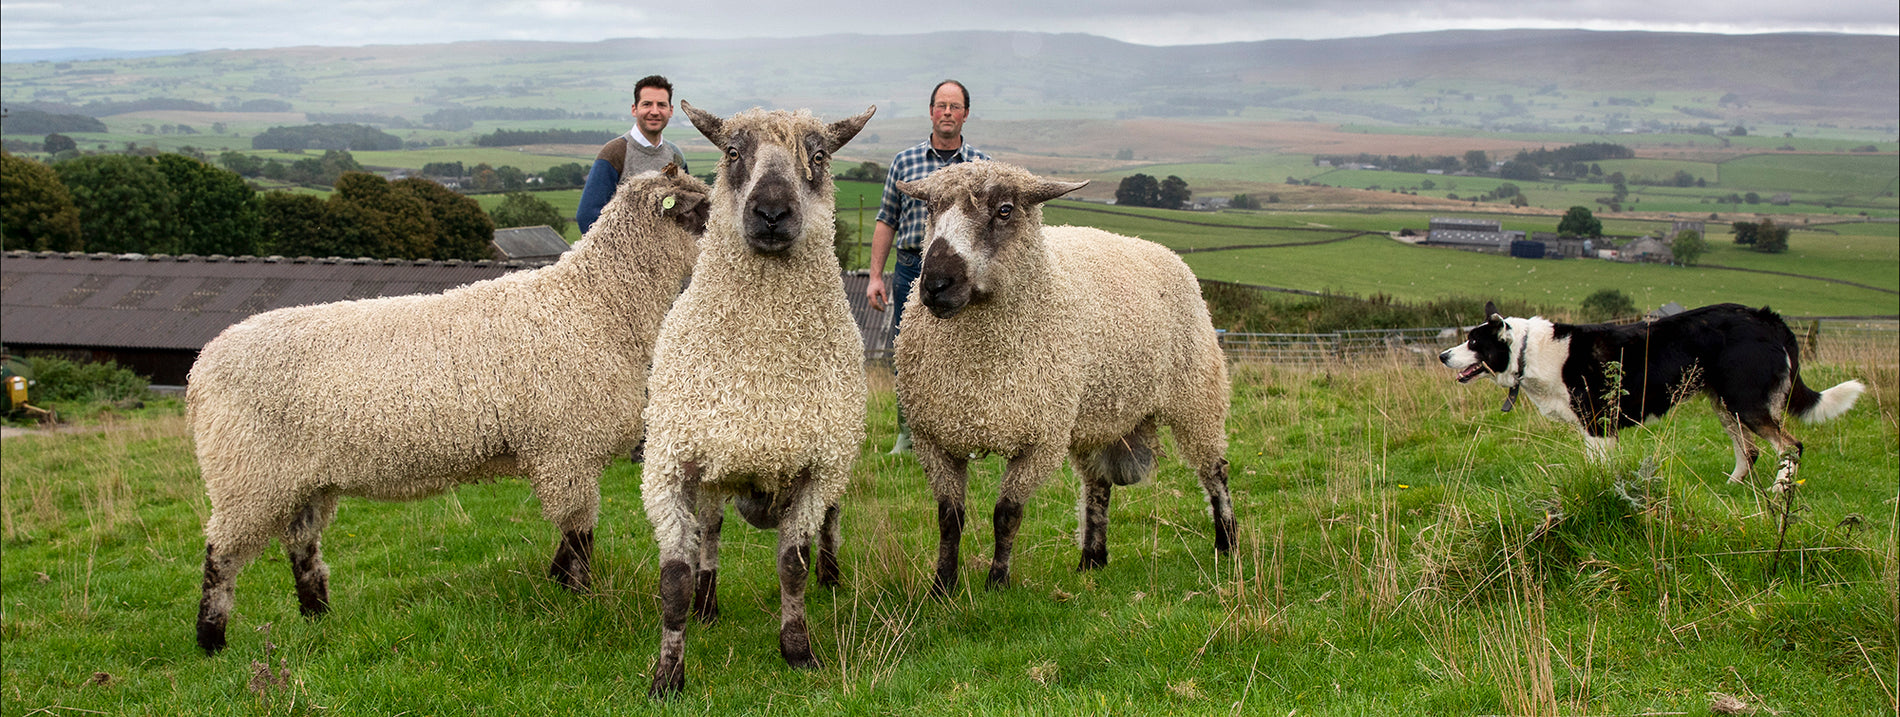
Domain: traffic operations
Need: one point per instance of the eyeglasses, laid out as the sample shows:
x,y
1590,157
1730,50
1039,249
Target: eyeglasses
x,y
947,106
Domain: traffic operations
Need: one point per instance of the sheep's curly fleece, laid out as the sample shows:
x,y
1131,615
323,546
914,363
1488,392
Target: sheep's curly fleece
x,y
539,373
758,373
1092,333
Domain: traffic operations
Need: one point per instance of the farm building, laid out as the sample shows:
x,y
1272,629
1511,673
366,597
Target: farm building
x,y
1480,235
152,314
1649,250
536,243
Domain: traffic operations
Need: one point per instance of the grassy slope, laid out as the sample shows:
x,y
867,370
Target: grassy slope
x,y
1356,588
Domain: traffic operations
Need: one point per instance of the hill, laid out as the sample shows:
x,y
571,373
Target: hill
x,y
1518,79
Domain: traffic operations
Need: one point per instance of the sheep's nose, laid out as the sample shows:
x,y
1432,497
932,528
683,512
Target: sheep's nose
x,y
771,214
937,284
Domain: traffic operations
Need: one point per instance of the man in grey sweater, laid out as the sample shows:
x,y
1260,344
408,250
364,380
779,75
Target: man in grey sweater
x,y
639,150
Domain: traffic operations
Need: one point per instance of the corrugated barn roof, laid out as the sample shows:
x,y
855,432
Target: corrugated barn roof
x,y
132,301
160,302
536,242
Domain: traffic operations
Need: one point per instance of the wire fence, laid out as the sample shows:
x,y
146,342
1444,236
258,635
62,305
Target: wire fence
x,y
1827,340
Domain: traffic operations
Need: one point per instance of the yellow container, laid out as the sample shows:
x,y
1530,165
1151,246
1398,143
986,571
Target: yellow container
x,y
16,390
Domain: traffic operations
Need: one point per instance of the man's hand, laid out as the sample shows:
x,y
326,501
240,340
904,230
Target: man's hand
x,y
875,292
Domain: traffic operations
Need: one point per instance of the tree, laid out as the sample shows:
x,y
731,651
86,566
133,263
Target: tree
x,y
1752,198
1477,161
844,243
1520,170
1745,232
245,165
56,143
573,174
521,209
217,213
1771,238
462,229
1246,201
1579,222
1683,178
445,169
1173,194
125,203
866,172
1607,304
1688,247
36,211
297,225
483,178
1138,190
512,178
403,227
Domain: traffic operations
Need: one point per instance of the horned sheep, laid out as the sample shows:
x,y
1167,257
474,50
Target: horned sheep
x,y
758,378
1045,341
539,374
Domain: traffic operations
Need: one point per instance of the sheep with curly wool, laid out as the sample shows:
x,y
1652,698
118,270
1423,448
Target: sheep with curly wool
x,y
1045,341
540,374
758,389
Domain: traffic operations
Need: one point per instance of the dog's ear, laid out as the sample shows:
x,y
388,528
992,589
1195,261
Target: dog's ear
x,y
1491,313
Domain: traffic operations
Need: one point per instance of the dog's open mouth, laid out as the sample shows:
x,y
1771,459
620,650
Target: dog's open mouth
x,y
1466,375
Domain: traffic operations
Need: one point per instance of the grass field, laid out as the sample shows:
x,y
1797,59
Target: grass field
x,y
1404,549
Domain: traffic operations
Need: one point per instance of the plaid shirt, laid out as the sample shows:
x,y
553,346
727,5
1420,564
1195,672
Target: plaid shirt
x,y
907,213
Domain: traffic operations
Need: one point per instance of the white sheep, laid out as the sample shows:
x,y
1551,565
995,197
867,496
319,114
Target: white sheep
x,y
758,377
539,374
1045,341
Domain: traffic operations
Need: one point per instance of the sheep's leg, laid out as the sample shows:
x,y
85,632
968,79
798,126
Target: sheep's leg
x,y
230,545
1024,473
829,535
712,517
1220,504
949,477
1093,501
794,561
671,492
570,499
302,542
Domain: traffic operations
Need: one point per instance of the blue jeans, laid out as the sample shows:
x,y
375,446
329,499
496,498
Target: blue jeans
x,y
910,264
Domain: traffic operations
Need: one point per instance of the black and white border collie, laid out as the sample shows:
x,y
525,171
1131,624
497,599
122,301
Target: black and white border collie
x,y
1746,361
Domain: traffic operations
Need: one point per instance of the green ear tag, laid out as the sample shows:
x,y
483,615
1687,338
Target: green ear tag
x,y
668,203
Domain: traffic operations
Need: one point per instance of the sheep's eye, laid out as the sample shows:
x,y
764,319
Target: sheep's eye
x,y
818,156
732,153
1004,211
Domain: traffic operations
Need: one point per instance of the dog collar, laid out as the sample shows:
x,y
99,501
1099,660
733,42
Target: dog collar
x,y
1517,376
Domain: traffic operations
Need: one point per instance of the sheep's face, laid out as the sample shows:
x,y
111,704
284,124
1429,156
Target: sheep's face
x,y
980,213
775,175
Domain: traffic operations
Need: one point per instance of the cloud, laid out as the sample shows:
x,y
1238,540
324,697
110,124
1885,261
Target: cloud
x,y
211,24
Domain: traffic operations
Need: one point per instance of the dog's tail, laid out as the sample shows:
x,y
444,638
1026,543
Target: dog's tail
x,y
1805,403
1814,407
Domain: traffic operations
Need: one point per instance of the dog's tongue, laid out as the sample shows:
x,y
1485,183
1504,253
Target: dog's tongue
x,y
1470,373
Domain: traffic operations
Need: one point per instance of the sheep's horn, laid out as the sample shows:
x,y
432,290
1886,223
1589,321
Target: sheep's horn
x,y
1050,189
842,130
708,124
911,189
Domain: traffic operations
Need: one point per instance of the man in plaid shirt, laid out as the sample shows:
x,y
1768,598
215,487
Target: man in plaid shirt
x,y
900,221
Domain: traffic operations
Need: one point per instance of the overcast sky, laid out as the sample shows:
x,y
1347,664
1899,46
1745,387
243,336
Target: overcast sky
x,y
245,24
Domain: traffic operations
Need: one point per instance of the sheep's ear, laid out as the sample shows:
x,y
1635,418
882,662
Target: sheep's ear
x,y
841,131
708,124
686,207
1491,314
1050,189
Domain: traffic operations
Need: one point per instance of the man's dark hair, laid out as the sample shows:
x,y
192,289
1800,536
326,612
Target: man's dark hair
x,y
653,81
966,92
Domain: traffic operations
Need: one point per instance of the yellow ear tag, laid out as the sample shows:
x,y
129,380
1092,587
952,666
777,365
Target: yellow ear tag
x,y
667,203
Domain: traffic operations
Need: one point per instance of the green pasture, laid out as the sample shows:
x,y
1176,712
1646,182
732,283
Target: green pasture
x,y
1378,265
1862,175
1404,549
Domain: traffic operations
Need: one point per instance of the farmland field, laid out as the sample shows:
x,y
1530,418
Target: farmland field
x,y
1404,549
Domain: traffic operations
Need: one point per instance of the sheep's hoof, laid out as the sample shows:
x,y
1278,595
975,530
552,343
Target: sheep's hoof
x,y
665,686
210,638
999,579
808,662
